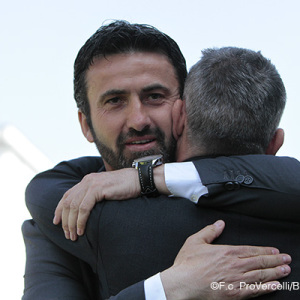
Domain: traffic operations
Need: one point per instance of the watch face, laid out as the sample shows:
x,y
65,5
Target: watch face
x,y
154,160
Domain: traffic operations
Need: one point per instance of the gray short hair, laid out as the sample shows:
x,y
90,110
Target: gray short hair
x,y
235,99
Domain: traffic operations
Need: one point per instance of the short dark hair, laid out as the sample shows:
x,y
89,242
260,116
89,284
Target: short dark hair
x,y
123,37
235,99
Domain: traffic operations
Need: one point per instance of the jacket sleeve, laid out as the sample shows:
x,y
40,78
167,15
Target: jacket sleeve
x,y
263,186
45,191
52,273
42,236
67,261
47,188
133,292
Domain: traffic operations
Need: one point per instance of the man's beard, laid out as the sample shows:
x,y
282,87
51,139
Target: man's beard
x,y
119,161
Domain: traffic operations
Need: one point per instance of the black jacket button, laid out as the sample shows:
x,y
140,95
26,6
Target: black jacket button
x,y
229,186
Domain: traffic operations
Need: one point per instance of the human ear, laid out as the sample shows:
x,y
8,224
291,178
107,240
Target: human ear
x,y
276,142
178,117
85,128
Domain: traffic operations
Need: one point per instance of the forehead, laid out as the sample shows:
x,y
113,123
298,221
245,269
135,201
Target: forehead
x,y
131,70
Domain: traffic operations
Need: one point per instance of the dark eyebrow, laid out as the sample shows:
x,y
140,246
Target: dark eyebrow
x,y
147,89
153,87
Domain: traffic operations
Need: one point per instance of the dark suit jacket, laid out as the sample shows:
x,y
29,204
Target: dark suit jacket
x,y
128,241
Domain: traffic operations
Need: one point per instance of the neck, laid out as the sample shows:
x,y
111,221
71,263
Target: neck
x,y
107,166
185,149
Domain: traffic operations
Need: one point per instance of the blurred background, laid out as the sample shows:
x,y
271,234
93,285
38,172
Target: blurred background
x,y
38,116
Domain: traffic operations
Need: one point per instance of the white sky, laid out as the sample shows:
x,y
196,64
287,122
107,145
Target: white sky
x,y
40,39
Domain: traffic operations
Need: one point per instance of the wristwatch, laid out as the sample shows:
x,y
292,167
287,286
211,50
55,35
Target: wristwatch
x,y
145,166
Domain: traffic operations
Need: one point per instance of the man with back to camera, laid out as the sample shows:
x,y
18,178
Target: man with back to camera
x,y
113,101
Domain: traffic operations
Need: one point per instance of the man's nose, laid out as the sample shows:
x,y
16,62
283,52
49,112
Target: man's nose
x,y
138,115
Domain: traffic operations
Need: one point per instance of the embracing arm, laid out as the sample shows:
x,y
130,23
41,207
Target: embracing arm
x,y
263,186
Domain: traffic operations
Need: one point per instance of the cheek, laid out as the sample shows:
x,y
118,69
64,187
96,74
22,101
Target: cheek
x,y
107,128
164,121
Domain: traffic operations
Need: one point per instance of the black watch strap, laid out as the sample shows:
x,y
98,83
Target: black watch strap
x,y
148,187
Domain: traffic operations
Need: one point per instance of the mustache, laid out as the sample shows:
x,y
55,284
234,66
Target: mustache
x,y
132,133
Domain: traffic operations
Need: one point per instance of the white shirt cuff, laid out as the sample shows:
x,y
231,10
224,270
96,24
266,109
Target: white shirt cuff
x,y
183,180
154,289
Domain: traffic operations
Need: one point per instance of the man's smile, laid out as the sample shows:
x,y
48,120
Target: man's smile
x,y
142,143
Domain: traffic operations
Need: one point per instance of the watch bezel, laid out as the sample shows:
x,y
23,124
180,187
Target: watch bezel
x,y
155,160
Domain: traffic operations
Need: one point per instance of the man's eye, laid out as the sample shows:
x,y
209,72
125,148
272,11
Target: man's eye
x,y
155,97
114,101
